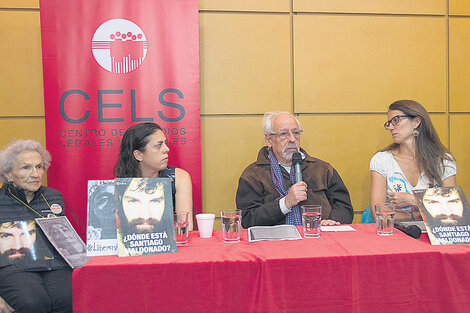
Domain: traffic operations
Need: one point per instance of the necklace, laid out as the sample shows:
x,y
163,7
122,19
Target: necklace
x,y
26,205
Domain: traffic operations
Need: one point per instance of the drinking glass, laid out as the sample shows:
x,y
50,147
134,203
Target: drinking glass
x,y
231,225
384,218
181,228
311,220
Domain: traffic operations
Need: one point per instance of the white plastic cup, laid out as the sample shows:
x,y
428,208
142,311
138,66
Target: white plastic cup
x,y
205,224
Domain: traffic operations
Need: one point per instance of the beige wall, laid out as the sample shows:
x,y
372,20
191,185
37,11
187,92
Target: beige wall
x,y
336,64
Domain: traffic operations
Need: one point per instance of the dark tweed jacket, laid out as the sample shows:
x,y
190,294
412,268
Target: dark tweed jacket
x,y
259,201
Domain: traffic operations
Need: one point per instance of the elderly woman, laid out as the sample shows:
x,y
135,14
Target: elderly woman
x,y
33,276
416,160
144,153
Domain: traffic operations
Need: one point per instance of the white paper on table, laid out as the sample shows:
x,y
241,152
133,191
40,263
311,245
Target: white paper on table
x,y
337,228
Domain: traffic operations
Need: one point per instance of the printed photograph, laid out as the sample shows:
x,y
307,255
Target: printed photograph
x,y
145,216
20,242
65,239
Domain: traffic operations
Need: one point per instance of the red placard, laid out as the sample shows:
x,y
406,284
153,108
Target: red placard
x,y
107,66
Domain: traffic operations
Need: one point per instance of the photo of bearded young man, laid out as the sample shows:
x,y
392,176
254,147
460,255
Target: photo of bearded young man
x,y
141,214
445,206
17,242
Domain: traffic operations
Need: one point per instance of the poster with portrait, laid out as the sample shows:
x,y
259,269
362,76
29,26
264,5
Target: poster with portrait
x,y
65,240
144,216
446,214
23,244
101,218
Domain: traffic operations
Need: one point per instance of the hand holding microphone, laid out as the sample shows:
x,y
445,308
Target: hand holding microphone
x,y
298,191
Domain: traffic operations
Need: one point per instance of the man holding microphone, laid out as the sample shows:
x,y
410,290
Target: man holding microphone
x,y
269,191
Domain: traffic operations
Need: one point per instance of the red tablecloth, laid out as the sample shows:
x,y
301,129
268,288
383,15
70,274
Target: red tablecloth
x,y
339,272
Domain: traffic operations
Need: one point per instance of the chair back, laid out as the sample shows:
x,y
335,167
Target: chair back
x,y
366,216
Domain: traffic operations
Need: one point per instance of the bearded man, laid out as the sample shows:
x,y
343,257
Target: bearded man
x,y
445,206
17,241
268,193
140,211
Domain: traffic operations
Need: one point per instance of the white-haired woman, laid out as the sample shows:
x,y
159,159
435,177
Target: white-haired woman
x,y
33,276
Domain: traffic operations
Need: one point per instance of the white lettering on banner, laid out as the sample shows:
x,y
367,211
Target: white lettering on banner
x,y
454,240
454,234
141,250
443,228
145,236
145,243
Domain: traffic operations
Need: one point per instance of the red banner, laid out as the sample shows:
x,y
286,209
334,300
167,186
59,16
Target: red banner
x,y
107,66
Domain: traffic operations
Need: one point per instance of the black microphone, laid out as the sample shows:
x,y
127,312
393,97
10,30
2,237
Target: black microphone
x,y
297,160
411,230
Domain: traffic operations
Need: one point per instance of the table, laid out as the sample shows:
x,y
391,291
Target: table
x,y
339,272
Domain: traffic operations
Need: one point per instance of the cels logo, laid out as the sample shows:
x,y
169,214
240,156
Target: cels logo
x,y
119,46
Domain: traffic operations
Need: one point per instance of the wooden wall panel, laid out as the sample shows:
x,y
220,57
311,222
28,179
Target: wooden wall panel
x,y
245,63
229,145
22,128
19,4
459,71
372,6
245,5
459,7
363,63
21,88
459,134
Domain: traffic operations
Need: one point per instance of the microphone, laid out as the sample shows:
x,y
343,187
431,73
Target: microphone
x,y
411,230
297,160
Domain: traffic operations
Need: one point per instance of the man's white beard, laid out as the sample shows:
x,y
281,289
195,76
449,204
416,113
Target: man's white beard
x,y
288,155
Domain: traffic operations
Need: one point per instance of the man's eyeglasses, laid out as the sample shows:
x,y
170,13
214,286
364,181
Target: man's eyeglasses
x,y
284,134
394,121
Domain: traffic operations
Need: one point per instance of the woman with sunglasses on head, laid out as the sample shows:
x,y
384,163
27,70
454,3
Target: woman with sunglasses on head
x,y
415,160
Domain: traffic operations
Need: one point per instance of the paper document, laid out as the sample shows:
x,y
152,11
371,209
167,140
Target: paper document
x,y
337,228
279,232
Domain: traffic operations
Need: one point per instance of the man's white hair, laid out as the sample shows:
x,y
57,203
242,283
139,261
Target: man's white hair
x,y
268,121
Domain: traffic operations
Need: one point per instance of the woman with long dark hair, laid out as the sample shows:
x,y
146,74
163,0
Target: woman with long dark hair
x,y
415,160
144,153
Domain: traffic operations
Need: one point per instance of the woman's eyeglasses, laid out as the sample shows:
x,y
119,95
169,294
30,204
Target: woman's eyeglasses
x,y
394,121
